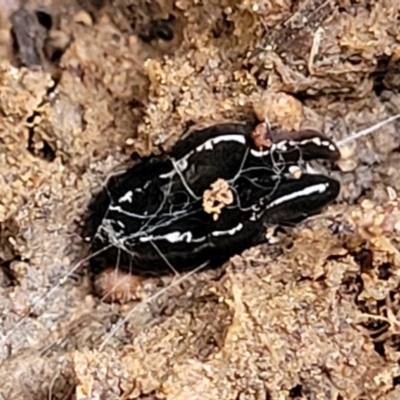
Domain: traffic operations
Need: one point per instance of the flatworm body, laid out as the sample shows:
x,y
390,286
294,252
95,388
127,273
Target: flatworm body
x,y
152,220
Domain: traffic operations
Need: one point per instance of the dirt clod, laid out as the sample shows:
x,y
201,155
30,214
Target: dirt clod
x,y
217,197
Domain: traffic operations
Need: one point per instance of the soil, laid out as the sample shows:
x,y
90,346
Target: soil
x,y
84,85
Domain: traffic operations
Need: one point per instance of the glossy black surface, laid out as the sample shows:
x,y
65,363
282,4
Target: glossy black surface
x,y
153,214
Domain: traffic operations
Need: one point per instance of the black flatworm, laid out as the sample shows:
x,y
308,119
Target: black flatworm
x,y
152,220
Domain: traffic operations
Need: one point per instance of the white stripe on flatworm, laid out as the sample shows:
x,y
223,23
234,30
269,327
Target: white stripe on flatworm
x,y
173,237
126,197
319,188
282,145
182,163
258,153
229,232
311,170
209,144
168,174
316,140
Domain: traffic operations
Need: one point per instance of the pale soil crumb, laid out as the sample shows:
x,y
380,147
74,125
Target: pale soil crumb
x,y
217,197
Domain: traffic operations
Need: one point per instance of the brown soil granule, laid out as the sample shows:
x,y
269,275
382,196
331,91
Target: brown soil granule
x,y
217,197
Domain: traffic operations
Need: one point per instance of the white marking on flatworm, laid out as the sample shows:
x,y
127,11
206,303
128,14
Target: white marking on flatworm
x,y
317,141
209,144
182,163
198,240
319,188
126,197
311,170
173,237
168,174
257,153
282,145
231,232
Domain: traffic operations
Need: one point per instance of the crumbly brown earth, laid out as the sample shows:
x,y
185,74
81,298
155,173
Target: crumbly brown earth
x,y
217,197
316,316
